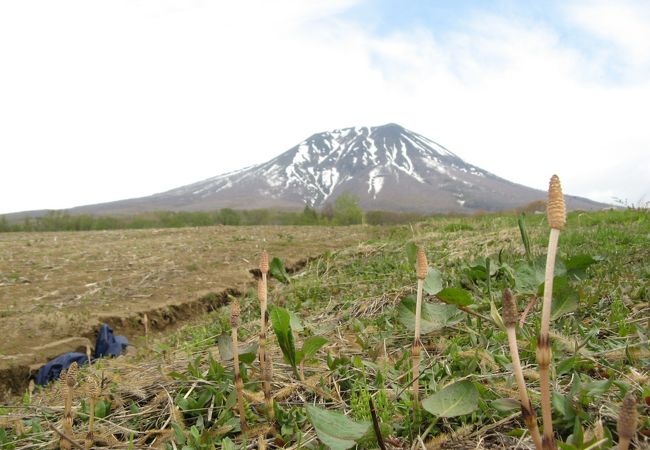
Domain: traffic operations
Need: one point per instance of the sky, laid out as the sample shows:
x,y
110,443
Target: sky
x,y
102,101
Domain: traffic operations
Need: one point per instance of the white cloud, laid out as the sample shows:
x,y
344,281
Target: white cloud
x,y
112,100
623,26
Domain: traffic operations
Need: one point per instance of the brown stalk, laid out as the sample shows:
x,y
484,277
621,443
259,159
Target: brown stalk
x,y
417,344
68,439
145,321
556,212
68,379
262,290
375,424
627,421
239,384
510,320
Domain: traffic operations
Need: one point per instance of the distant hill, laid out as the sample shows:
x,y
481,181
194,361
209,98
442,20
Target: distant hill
x,y
387,167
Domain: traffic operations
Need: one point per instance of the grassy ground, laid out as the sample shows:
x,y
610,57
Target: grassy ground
x,y
178,391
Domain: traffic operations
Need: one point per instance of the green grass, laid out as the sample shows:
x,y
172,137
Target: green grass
x,y
352,297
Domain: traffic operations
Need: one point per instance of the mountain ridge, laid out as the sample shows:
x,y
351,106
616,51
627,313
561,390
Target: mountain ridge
x,y
387,167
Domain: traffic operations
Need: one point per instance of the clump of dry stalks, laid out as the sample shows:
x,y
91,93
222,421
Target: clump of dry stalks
x,y
421,272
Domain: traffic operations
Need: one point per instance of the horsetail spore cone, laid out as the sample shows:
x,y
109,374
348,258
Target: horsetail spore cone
x,y
421,273
264,262
627,421
239,384
556,212
510,314
556,208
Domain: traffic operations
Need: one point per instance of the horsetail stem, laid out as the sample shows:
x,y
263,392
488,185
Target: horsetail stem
x,y
262,291
510,315
239,384
627,421
145,321
421,273
556,212
68,380
93,394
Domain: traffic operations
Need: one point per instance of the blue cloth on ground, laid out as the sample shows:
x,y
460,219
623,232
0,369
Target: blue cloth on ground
x,y
52,370
107,344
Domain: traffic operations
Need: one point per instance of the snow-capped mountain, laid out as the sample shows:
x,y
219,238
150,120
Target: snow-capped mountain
x,y
387,167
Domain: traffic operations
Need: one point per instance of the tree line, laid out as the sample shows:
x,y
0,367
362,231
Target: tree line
x,y
344,211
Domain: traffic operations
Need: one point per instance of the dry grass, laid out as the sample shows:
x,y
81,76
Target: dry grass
x,y
62,284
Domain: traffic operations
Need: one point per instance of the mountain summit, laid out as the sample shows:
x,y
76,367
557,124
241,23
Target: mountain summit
x,y
387,167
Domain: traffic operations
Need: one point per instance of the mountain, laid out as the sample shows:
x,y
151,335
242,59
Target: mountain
x,y
387,167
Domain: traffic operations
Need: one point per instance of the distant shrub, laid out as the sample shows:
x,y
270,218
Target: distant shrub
x,y
228,216
347,210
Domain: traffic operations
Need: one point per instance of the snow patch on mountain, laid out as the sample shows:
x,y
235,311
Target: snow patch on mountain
x,y
314,169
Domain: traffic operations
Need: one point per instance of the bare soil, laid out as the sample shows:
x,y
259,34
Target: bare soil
x,y
59,285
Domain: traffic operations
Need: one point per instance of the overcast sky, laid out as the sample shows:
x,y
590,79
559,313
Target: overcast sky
x,y
105,100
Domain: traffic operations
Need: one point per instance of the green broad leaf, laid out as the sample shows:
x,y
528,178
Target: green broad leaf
x,y
563,406
247,353
524,236
412,253
281,322
246,356
311,345
566,365
435,316
102,409
577,438
496,317
476,273
296,323
564,305
278,271
565,298
506,404
178,433
227,444
433,281
334,429
597,388
528,277
576,266
194,432
455,296
454,400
